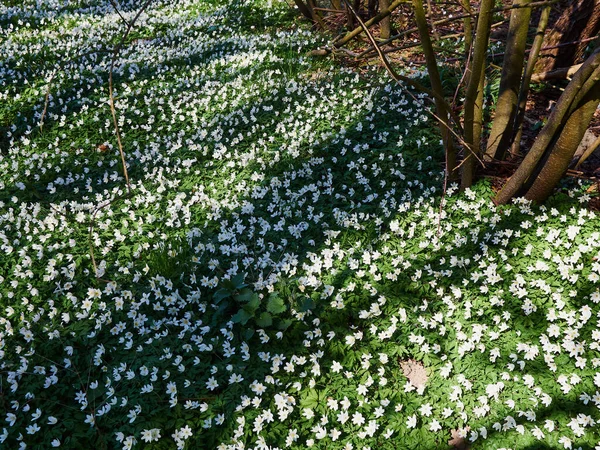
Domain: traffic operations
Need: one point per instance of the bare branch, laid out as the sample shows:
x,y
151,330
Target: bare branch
x,y
398,78
116,52
116,8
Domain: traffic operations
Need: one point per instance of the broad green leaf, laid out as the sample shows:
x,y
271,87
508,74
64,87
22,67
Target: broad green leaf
x,y
244,296
264,320
307,304
229,286
242,317
311,400
284,324
220,295
238,281
275,304
253,304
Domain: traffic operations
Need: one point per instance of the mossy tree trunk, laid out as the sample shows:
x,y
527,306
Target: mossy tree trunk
x,y
501,133
561,152
467,26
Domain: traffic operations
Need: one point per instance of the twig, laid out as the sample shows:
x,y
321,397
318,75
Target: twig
x,y
335,11
455,18
116,8
462,78
559,74
113,111
552,47
46,101
397,77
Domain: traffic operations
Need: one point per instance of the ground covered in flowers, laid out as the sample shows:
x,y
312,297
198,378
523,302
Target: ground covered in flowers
x,y
284,272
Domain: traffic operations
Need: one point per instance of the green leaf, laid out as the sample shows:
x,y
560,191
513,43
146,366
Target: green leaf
x,y
275,304
245,295
284,324
220,295
228,286
248,333
253,304
242,317
264,320
238,281
307,304
311,400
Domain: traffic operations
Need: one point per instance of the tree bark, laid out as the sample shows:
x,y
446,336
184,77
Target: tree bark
x,y
579,21
382,14
303,9
386,23
558,74
467,27
527,76
562,152
436,85
472,107
574,93
501,133
316,15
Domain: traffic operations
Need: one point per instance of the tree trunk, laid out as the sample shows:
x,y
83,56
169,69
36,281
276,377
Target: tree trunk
x,y
303,9
372,8
382,15
580,20
386,23
316,15
510,80
472,108
436,85
560,157
524,91
467,27
575,92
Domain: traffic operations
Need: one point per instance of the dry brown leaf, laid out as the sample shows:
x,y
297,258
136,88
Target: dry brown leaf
x,y
415,372
457,441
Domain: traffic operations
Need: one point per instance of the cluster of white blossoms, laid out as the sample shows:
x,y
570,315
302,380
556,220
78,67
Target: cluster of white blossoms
x,y
312,184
